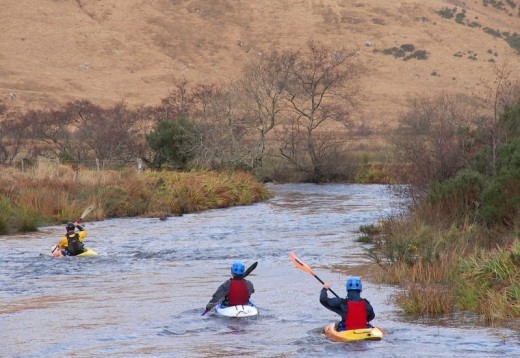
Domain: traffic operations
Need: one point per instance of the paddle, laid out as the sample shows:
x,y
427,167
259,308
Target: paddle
x,y
86,212
302,266
246,273
82,216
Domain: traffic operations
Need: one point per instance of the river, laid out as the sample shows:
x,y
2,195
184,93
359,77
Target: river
x,y
144,293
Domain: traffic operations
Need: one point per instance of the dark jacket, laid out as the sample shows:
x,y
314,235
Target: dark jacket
x,y
339,305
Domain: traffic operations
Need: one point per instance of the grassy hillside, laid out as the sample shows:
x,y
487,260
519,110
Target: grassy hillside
x,y
55,51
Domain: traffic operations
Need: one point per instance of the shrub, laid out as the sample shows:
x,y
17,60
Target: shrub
x,y
447,13
459,18
514,42
419,55
474,24
492,32
459,195
407,47
171,141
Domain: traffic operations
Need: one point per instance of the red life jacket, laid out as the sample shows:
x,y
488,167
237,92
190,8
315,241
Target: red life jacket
x,y
238,293
356,315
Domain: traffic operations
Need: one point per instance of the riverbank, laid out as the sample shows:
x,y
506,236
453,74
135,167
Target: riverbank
x,y
444,270
54,194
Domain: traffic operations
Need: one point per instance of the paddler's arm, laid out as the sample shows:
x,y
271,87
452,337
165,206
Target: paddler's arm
x,y
63,243
333,304
82,233
250,288
370,311
218,296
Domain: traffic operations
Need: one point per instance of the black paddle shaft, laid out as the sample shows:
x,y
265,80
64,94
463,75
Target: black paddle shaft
x,y
319,279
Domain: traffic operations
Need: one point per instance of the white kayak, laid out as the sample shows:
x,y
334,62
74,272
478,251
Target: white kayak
x,y
249,310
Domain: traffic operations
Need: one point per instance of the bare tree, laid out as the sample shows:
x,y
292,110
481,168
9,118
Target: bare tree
x,y
496,97
112,134
12,134
321,89
261,92
435,137
222,128
180,102
53,135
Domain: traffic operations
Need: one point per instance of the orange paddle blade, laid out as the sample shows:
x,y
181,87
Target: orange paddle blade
x,y
299,264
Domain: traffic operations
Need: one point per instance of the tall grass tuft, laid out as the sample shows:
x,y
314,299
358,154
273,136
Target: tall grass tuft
x,y
426,300
446,268
53,193
491,281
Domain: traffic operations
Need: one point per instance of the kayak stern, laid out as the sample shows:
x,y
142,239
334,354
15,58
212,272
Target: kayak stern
x,y
362,334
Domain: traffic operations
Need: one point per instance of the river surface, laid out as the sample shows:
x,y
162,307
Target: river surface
x,y
144,293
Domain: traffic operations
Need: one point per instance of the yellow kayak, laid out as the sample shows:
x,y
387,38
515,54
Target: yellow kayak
x,y
88,252
367,334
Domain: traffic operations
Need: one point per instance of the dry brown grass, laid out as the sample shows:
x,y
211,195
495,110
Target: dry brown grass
x,y
104,51
56,193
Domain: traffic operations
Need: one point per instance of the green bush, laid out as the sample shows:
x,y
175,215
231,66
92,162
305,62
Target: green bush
x,y
500,199
172,141
447,13
492,32
459,195
407,47
459,18
514,42
419,55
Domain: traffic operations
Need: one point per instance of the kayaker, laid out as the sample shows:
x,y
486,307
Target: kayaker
x,y
235,291
355,312
72,243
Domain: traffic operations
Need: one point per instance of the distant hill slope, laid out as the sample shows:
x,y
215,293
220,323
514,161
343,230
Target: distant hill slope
x,y
54,51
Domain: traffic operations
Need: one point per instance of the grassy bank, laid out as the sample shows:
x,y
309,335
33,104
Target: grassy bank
x,y
448,269
51,194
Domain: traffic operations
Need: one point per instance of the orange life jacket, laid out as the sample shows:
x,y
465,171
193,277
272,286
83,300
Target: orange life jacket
x,y
356,315
238,293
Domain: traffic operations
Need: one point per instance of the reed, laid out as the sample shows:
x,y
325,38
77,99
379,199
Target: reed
x,y
446,268
52,193
426,300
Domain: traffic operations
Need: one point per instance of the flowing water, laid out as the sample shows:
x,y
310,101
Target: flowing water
x,y
144,293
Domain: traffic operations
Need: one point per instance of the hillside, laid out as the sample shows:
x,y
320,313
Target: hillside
x,y
55,51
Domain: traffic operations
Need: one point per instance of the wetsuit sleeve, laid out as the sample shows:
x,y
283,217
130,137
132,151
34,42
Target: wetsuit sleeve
x,y
250,288
82,234
63,243
370,311
333,304
219,295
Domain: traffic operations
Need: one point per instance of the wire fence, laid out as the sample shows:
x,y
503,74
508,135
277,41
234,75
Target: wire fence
x,y
90,164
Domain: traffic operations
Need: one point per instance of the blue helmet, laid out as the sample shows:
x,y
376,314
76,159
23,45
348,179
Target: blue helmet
x,y
238,268
354,283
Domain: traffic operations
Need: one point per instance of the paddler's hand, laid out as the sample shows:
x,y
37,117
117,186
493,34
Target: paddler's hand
x,y
326,286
